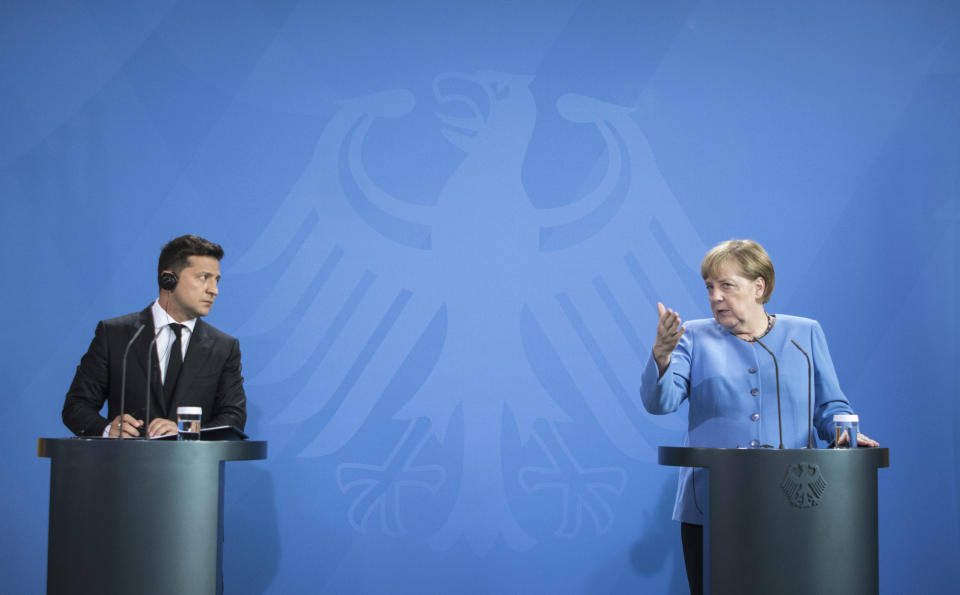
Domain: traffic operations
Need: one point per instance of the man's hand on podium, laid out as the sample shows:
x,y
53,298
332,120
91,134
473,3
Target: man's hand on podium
x,y
131,426
161,426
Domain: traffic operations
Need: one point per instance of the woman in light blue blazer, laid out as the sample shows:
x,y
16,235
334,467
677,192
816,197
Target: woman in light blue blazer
x,y
724,367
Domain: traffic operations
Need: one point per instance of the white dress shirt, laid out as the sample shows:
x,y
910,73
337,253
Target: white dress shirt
x,y
166,336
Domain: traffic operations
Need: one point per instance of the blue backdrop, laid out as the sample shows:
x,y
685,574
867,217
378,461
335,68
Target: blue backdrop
x,y
447,226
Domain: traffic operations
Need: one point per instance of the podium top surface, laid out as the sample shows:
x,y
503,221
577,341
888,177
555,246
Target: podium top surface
x,y
225,450
683,456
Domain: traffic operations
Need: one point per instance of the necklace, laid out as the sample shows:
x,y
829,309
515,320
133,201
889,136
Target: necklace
x,y
769,328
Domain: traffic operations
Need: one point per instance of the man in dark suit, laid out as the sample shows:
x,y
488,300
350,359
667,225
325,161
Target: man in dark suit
x,y
192,363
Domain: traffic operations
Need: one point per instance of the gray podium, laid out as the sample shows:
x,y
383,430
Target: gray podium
x,y
137,516
788,521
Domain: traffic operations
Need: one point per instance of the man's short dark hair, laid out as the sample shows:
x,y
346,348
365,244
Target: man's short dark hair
x,y
175,254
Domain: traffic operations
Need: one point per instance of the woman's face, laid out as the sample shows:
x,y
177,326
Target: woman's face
x,y
734,299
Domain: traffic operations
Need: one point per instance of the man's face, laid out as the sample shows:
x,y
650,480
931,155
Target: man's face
x,y
196,290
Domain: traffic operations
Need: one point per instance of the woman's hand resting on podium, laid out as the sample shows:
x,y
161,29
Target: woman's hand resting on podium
x,y
862,440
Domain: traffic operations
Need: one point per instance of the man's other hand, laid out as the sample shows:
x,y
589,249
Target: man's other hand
x,y
160,427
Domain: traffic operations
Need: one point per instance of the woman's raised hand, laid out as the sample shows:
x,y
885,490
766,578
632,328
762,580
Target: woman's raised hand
x,y
669,332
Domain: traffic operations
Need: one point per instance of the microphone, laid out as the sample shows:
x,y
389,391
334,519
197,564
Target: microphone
x,y
146,419
776,369
123,375
809,395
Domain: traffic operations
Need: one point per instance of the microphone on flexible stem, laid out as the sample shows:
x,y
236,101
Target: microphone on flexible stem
x,y
776,369
123,375
809,395
146,419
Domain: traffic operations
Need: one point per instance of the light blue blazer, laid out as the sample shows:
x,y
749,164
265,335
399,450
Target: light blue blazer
x,y
732,390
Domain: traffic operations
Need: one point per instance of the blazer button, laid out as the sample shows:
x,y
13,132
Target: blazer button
x,y
752,370
754,443
755,391
755,417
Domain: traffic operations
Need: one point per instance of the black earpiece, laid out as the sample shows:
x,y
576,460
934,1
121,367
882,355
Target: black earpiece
x,y
168,280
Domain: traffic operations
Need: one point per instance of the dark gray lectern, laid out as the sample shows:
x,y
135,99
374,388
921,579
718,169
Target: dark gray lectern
x,y
789,521
137,516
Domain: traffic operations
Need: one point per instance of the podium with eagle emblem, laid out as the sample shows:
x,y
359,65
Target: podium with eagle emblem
x,y
788,521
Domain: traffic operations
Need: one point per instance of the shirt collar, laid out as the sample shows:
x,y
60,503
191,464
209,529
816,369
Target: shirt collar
x,y
162,319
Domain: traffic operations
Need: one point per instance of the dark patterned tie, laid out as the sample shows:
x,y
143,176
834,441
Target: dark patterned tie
x,y
174,363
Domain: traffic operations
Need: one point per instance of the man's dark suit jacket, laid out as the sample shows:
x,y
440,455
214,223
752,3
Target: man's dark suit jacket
x,y
209,378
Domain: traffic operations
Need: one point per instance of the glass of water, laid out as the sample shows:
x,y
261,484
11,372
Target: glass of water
x,y
849,425
188,422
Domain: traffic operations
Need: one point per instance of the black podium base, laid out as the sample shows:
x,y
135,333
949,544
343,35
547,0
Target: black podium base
x,y
137,516
789,521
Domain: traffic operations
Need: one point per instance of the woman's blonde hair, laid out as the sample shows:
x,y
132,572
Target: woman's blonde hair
x,y
750,256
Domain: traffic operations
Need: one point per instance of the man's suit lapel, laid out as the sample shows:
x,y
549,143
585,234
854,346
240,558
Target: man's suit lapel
x,y
141,353
198,351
